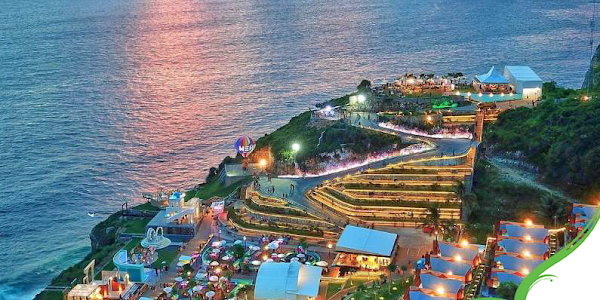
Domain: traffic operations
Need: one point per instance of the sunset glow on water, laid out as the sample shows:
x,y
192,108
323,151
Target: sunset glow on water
x,y
103,100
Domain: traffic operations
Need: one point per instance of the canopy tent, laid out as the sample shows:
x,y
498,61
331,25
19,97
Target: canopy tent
x,y
536,232
289,281
521,73
583,214
518,246
444,265
491,77
507,276
468,252
517,263
366,241
450,284
416,293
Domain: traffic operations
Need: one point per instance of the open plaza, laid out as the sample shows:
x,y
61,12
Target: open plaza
x,y
388,224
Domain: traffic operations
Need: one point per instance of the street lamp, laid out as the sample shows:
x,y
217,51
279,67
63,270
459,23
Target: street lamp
x,y
262,163
296,147
244,238
329,246
361,98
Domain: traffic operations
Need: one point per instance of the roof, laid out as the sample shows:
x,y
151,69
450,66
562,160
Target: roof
x,y
492,76
444,265
518,246
83,290
366,241
507,276
517,263
451,285
416,293
522,73
288,281
536,232
452,249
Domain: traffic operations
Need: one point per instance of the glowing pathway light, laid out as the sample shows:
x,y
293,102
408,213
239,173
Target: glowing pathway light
x,y
440,291
526,253
336,168
296,147
525,271
457,258
262,163
464,243
528,222
361,98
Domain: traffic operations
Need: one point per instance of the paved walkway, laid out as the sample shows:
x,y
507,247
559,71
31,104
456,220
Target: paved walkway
x,y
296,196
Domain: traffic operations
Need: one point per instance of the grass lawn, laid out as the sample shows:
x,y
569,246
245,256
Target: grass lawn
x,y
146,206
165,255
332,289
136,225
213,188
377,292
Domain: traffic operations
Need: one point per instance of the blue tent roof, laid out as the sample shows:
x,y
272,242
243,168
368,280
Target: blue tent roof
x,y
418,295
432,282
492,76
517,264
517,246
536,233
507,277
450,250
443,266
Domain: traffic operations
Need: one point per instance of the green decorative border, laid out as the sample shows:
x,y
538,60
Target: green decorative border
x,y
536,274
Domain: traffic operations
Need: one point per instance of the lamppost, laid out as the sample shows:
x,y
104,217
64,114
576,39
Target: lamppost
x,y
295,149
244,238
329,246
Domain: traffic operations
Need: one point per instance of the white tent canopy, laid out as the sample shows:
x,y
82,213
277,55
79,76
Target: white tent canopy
x,y
366,241
289,281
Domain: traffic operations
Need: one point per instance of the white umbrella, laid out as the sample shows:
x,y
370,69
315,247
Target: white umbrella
x,y
216,244
214,263
269,260
273,245
301,255
167,290
322,264
216,251
226,258
254,248
200,275
180,264
294,259
198,288
281,255
213,278
179,279
237,242
210,294
256,262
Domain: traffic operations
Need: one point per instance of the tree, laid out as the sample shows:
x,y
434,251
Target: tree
x,y
433,220
392,268
238,251
364,86
552,206
507,290
303,243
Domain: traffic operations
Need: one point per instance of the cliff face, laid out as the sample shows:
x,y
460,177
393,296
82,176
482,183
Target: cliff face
x,y
592,77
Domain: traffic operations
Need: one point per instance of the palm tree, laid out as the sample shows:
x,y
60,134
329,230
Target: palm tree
x,y
552,207
433,220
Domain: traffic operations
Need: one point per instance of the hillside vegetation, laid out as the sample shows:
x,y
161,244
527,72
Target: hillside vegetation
x,y
561,138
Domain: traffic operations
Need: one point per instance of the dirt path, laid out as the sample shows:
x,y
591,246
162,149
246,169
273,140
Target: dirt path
x,y
510,171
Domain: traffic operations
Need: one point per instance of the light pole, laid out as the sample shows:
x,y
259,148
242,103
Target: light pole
x,y
295,149
329,246
244,238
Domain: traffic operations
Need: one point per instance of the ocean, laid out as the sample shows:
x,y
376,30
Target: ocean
x,y
103,100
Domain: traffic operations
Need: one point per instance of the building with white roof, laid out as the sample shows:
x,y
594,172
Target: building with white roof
x,y
523,80
289,281
365,248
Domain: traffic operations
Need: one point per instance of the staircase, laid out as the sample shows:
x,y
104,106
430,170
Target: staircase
x,y
479,119
553,243
474,288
